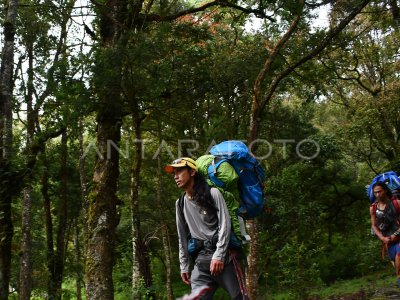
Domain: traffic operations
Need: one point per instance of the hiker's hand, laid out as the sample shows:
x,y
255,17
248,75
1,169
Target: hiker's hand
x,y
186,278
216,267
386,239
393,238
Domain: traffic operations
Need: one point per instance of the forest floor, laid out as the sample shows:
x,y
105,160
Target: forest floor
x,y
382,293
378,286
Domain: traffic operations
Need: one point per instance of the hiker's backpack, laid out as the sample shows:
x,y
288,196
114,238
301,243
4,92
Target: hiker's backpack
x,y
391,179
251,176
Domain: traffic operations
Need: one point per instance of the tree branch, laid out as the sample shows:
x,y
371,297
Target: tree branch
x,y
316,5
222,3
275,51
331,35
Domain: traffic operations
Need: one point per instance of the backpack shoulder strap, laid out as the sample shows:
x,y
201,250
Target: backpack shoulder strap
x,y
374,205
181,203
212,171
396,205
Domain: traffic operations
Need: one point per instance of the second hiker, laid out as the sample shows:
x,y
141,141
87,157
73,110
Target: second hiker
x,y
384,214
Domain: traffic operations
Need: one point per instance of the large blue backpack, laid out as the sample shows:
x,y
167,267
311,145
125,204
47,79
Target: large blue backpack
x,y
391,179
251,175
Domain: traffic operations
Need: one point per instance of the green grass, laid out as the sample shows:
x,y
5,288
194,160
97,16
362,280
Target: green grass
x,y
368,283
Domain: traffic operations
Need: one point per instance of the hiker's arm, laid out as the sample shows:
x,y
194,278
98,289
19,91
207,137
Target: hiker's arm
x,y
375,228
396,235
182,234
224,222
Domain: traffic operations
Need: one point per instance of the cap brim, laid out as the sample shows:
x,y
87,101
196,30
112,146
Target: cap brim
x,y
170,168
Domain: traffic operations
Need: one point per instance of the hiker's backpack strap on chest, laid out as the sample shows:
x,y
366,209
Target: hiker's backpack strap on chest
x,y
383,249
181,203
397,207
213,171
374,206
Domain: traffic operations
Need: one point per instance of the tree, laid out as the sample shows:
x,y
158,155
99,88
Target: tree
x,y
363,84
6,92
25,283
265,88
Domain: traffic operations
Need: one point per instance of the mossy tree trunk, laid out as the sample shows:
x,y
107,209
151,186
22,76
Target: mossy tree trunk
x,y
102,218
6,184
102,200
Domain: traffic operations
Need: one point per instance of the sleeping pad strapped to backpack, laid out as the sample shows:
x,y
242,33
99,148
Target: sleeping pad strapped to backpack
x,y
240,178
391,179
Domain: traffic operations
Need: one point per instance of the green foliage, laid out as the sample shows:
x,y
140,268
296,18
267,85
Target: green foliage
x,y
350,257
299,270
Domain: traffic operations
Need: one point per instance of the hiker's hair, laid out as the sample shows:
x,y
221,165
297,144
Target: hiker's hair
x,y
202,192
385,188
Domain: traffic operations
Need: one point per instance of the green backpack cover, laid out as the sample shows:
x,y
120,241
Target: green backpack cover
x,y
228,175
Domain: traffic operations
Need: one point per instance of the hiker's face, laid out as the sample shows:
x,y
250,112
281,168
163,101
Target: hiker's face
x,y
184,177
379,192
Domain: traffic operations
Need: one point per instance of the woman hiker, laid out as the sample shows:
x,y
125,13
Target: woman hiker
x,y
384,222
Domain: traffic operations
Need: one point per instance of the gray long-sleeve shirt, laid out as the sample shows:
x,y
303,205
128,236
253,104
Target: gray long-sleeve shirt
x,y
203,225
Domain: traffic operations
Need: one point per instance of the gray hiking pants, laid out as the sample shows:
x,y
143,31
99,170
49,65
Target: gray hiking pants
x,y
228,279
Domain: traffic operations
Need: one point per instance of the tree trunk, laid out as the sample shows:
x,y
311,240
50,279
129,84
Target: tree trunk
x,y
83,181
136,232
25,282
49,223
253,260
395,12
102,216
6,234
6,90
58,271
165,234
141,264
6,80
55,259
84,196
26,260
77,261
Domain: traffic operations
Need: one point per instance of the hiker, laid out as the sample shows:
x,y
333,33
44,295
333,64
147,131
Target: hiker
x,y
204,229
384,223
